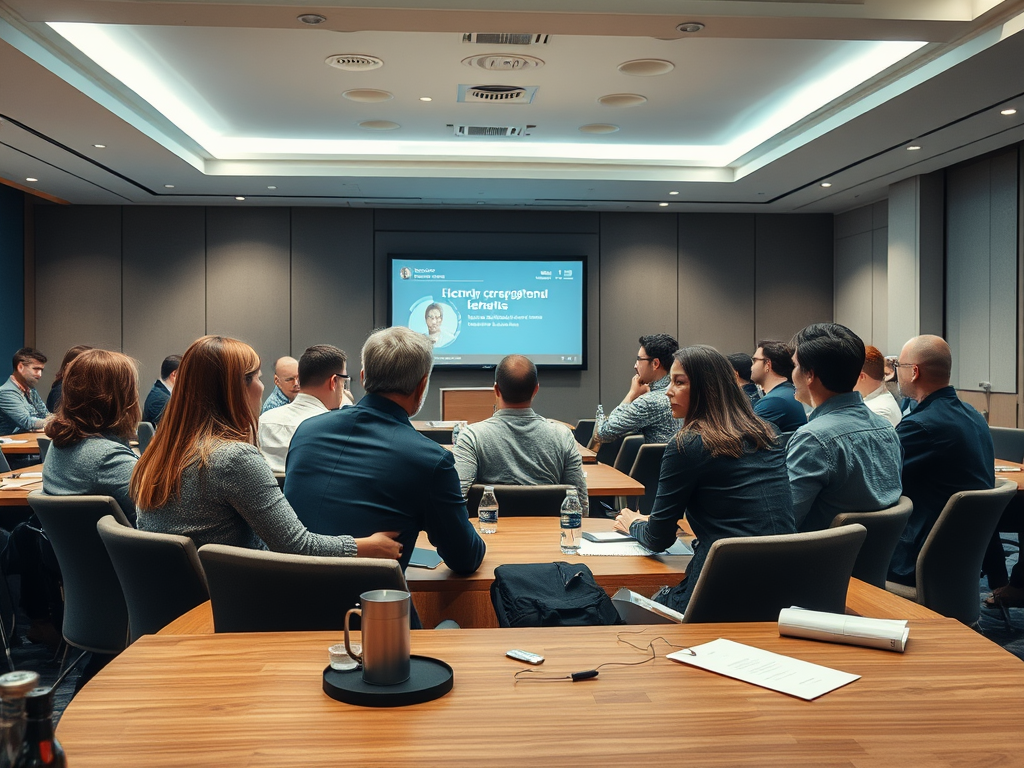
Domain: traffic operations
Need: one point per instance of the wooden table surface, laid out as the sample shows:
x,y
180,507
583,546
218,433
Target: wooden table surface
x,y
1017,477
18,497
30,444
953,699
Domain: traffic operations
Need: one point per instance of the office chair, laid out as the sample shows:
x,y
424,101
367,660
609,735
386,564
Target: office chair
x,y
1008,443
160,575
257,591
4,466
646,469
145,433
752,578
950,559
44,446
584,431
522,500
884,528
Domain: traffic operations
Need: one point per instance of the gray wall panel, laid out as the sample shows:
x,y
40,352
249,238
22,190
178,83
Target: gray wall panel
x,y
332,281
638,292
78,280
880,289
793,274
248,278
716,280
164,284
854,283
1003,280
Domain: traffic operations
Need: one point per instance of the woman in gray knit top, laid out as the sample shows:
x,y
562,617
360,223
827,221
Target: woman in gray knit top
x,y
203,477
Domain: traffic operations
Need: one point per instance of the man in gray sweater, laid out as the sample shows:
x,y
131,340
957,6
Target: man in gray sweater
x,y
516,446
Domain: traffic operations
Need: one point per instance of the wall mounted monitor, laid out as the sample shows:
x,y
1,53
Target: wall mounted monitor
x,y
476,310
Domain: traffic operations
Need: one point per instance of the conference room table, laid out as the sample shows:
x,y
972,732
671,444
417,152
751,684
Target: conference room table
x,y
21,444
18,497
952,699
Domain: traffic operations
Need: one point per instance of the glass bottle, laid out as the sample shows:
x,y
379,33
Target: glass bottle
x,y
39,748
13,688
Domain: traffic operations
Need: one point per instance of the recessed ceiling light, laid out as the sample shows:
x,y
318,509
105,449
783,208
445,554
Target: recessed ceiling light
x,y
379,125
622,100
239,198
912,148
271,187
663,205
1008,112
673,193
646,67
599,128
826,184
690,27
168,186
368,95
311,18
100,146
31,179
425,98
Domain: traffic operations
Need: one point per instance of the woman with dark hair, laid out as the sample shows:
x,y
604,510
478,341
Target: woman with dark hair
x,y
53,398
725,469
202,476
97,416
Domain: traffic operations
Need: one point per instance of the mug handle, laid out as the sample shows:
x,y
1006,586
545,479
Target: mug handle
x,y
348,645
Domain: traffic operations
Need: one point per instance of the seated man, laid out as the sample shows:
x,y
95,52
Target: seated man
x,y
645,408
741,367
366,469
158,396
322,376
845,458
21,407
286,383
770,368
517,446
871,385
947,446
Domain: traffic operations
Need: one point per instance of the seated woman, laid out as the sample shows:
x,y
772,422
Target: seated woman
x,y
204,477
98,414
724,469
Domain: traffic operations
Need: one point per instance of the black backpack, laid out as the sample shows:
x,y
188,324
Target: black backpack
x,y
550,595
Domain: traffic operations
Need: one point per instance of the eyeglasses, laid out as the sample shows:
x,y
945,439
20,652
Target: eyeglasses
x,y
898,364
644,359
343,376
756,359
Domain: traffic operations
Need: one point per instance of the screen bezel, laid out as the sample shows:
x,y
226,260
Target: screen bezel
x,y
584,319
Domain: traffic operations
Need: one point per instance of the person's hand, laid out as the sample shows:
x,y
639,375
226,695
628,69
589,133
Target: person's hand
x,y
626,518
382,544
636,388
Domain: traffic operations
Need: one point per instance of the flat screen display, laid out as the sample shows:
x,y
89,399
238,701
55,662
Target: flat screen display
x,y
477,310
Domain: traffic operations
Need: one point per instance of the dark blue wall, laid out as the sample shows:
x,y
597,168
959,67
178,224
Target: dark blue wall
x,y
12,272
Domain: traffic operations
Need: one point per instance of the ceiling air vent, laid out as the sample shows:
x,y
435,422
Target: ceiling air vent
x,y
504,38
354,62
489,130
503,62
496,94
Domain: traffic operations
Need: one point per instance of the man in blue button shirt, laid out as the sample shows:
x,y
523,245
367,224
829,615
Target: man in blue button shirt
x,y
771,368
846,458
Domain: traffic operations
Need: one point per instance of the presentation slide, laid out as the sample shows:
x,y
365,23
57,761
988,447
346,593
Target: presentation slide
x,y
476,311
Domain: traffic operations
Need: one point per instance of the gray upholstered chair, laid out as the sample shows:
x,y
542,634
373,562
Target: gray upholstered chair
x,y
608,452
1008,443
627,453
584,431
145,432
646,469
160,574
522,500
257,591
44,446
4,466
884,529
95,614
950,559
752,578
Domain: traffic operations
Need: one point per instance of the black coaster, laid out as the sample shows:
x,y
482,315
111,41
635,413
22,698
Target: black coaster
x,y
429,679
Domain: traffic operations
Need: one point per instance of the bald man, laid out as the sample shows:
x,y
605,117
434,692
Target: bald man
x,y
947,446
286,383
518,446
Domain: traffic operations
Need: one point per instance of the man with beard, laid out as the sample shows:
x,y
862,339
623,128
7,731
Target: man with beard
x,y
21,407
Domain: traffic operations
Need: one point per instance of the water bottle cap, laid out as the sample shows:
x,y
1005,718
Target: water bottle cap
x,y
488,488
571,492
18,683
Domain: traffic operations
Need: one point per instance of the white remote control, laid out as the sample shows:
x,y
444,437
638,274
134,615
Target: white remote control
x,y
529,658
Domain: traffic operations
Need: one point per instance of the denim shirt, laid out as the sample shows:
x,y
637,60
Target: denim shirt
x,y
846,458
650,415
20,412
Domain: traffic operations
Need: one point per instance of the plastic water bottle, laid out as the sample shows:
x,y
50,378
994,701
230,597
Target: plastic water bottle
x,y
572,522
488,511
599,416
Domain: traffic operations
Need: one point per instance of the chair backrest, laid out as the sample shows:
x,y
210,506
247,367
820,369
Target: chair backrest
x,y
1008,443
884,529
441,436
160,574
608,452
752,578
950,559
4,466
95,614
584,431
257,591
627,453
646,469
522,500
44,446
145,433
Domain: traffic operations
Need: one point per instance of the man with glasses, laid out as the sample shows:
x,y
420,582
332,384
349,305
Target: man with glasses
x,y
771,368
645,408
286,383
947,446
323,374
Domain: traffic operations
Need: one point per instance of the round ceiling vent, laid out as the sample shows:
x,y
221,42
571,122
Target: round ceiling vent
x,y
622,99
646,67
379,125
367,95
496,93
354,62
503,62
599,128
